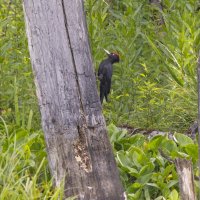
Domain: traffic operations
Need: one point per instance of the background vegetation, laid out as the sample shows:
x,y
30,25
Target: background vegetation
x,y
154,87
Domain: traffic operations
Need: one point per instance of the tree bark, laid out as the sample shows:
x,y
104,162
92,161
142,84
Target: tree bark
x,y
186,179
78,147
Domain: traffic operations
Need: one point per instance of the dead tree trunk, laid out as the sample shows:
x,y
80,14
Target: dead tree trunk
x,y
78,147
186,179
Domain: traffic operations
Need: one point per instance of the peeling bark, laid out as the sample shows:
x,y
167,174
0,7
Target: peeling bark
x,y
186,179
78,147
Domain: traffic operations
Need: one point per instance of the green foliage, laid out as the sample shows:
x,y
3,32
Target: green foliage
x,y
23,165
24,171
154,85
146,174
16,79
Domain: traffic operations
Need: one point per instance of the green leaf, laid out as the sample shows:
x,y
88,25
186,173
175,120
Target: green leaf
x,y
138,156
136,185
153,185
146,193
123,159
169,145
160,160
182,139
182,155
155,142
135,196
115,133
146,169
160,198
137,140
175,74
192,151
155,48
29,120
173,195
145,179
167,170
133,172
172,183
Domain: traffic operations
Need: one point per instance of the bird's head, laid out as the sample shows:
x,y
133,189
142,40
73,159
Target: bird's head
x,y
113,56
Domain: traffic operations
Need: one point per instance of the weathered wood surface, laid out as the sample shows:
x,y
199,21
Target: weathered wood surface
x,y
77,143
186,179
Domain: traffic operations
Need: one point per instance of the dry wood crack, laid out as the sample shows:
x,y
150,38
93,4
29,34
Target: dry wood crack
x,y
77,143
80,149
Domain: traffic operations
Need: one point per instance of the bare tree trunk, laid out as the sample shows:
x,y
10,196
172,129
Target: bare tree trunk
x,y
186,179
78,147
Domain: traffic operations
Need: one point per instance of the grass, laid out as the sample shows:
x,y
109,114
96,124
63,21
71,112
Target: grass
x,y
23,165
154,86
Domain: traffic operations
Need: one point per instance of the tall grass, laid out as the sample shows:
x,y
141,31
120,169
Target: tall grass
x,y
16,79
24,173
154,85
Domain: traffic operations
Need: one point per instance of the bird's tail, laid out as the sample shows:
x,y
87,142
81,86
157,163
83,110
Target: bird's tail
x,y
104,90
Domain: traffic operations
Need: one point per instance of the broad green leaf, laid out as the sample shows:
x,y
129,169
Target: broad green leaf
x,y
145,178
123,159
115,133
160,160
153,185
192,151
182,139
173,195
170,145
136,185
160,198
182,155
155,142
133,172
137,140
146,169
172,183
135,196
146,193
138,156
167,170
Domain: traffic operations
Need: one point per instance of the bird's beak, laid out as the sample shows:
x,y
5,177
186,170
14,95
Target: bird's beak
x,y
107,51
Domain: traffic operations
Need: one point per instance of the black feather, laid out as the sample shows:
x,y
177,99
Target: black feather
x,y
105,75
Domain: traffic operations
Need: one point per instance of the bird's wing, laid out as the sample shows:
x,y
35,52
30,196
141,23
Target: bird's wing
x,y
102,70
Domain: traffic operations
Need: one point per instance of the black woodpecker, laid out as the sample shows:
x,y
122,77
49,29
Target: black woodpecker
x,y
105,74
